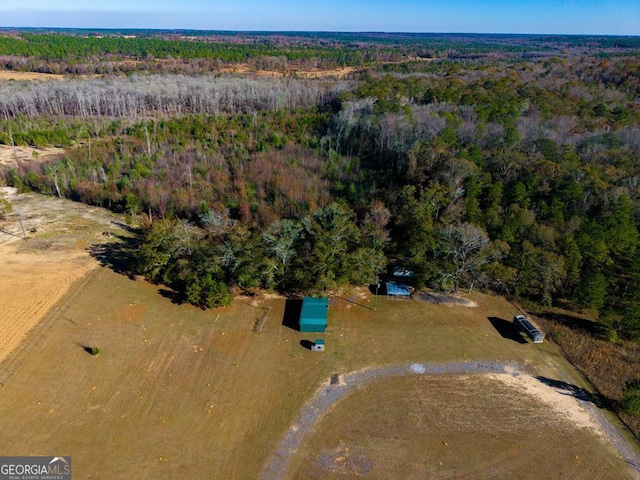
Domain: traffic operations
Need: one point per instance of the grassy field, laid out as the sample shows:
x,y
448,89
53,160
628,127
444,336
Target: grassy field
x,y
43,251
464,427
178,392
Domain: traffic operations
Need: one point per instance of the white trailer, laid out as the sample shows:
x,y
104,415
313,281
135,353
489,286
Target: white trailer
x,y
523,324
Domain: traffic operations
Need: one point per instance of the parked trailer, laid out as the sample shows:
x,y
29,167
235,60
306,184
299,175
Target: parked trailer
x,y
524,324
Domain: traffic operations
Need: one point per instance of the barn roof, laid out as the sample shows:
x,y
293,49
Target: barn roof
x,y
313,316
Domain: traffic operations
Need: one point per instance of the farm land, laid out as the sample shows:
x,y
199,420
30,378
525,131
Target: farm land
x,y
177,391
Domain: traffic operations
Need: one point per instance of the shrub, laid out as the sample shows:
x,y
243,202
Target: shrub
x,y
631,397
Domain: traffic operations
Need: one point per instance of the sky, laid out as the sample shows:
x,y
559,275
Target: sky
x,y
610,17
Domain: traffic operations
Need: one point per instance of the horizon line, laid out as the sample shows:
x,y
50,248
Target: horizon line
x,y
369,32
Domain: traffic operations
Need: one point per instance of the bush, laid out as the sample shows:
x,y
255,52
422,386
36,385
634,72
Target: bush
x,y
631,397
206,292
5,206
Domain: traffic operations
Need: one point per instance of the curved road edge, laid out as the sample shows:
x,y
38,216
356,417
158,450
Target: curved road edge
x,y
328,394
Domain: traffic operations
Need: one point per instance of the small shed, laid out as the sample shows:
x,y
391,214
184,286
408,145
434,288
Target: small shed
x,y
397,290
313,316
318,346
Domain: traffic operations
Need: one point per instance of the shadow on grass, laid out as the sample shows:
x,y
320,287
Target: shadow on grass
x,y
88,349
306,344
17,235
378,288
291,317
119,254
506,329
580,393
175,297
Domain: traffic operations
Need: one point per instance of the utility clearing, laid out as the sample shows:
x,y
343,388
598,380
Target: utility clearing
x,y
181,392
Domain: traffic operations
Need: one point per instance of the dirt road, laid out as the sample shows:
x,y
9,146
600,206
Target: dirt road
x,y
580,411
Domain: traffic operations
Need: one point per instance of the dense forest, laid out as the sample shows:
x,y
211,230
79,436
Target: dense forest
x,y
505,163
88,52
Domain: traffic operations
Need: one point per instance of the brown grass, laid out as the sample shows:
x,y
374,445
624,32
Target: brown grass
x,y
177,391
339,72
37,272
452,427
606,365
10,75
244,69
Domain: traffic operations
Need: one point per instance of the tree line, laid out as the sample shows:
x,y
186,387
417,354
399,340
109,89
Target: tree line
x,y
141,96
520,177
328,247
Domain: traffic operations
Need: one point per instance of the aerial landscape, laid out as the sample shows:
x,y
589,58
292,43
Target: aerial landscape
x,y
301,240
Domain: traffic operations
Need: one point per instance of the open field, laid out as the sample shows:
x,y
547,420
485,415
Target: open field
x,y
35,273
10,75
338,72
178,392
458,426
10,156
244,69
240,68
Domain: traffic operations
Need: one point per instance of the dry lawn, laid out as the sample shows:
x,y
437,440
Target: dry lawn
x,y
175,392
36,273
463,427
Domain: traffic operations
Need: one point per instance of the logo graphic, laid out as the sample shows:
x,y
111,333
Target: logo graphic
x,y
35,468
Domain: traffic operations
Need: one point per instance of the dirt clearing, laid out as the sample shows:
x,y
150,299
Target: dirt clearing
x,y
10,156
245,69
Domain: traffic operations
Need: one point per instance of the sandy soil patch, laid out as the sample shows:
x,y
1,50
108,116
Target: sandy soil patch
x,y
9,75
10,156
560,403
244,69
335,72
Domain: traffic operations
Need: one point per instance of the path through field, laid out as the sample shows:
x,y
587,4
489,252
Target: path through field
x,y
575,406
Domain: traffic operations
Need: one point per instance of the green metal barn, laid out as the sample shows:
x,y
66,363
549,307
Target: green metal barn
x,y
313,317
